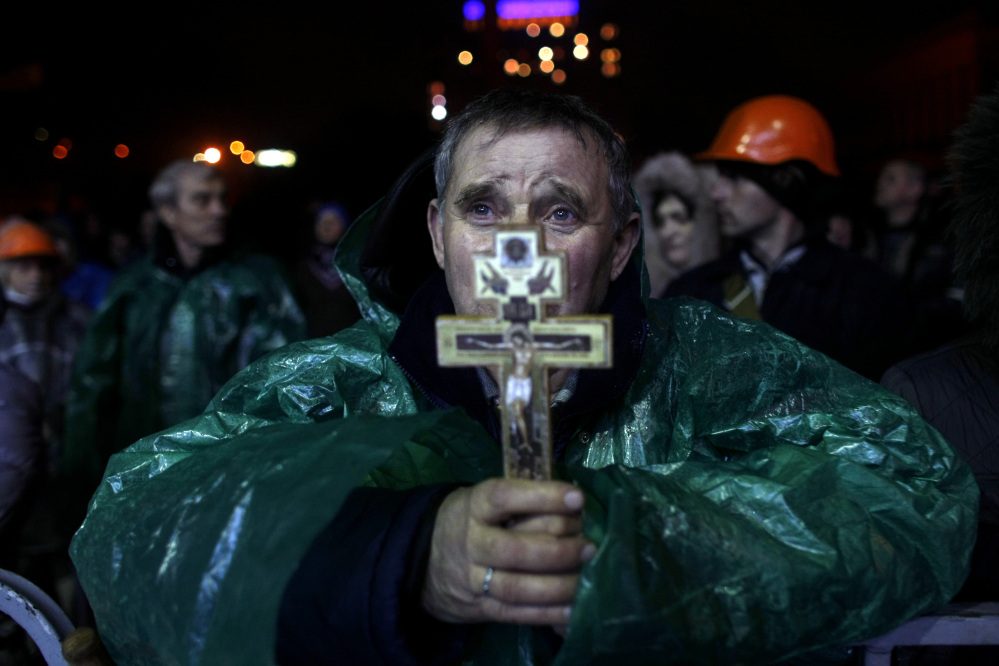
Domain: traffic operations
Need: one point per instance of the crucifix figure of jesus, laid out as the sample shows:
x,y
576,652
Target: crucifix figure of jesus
x,y
521,342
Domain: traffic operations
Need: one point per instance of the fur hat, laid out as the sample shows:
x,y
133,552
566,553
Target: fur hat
x,y
974,161
674,172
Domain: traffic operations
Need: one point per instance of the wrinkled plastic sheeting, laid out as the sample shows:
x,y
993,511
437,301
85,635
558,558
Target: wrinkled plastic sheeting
x,y
286,483
748,497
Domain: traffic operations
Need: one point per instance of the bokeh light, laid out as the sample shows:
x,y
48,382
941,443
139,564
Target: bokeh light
x,y
41,134
533,29
524,69
581,39
610,55
510,66
436,88
439,100
439,113
273,157
213,155
465,57
236,147
580,52
556,29
474,10
546,53
246,157
558,76
59,152
547,66
121,150
608,31
199,157
610,69
66,143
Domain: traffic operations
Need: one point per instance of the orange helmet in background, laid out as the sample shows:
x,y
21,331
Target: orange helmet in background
x,y
23,239
772,130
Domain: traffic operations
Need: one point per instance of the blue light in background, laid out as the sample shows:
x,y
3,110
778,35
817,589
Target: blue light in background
x,y
474,10
527,9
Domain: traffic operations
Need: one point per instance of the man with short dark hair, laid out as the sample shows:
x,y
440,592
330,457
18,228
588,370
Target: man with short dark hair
x,y
722,493
175,326
775,157
909,240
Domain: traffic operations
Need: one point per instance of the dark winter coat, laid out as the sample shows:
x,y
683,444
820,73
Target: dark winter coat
x,y
832,300
22,456
956,389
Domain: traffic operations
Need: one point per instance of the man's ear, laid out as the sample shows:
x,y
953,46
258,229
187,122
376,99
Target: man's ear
x,y
625,241
435,225
167,215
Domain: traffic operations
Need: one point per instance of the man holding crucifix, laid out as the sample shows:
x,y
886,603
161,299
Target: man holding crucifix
x,y
719,494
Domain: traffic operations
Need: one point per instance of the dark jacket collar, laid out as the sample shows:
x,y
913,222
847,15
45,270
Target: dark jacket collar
x,y
164,255
814,266
414,349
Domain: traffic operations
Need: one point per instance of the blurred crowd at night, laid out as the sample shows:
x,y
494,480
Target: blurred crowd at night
x,y
350,89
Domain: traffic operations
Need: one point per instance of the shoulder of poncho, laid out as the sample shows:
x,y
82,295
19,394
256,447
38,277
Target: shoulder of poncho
x,y
353,349
683,313
134,278
685,330
257,271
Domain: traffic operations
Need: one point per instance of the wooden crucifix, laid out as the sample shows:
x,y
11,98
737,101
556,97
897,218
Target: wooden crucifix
x,y
522,343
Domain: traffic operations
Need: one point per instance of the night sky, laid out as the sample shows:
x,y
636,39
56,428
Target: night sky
x,y
346,86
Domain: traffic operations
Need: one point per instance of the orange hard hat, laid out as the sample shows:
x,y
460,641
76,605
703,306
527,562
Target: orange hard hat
x,y
23,239
772,130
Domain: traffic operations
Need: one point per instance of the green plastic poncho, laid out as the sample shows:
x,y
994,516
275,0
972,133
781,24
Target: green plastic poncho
x,y
751,500
161,346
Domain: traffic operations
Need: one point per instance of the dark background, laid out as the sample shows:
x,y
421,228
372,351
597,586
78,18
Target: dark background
x,y
345,86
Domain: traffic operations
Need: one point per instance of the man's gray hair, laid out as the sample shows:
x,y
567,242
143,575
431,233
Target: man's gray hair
x,y
163,191
513,110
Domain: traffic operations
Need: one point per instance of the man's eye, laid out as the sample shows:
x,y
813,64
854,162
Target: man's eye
x,y
481,210
562,215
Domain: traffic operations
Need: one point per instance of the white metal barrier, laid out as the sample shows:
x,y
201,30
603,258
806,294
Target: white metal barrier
x,y
954,624
37,614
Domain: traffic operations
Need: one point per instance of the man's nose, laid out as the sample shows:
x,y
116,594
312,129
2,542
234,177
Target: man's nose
x,y
218,207
520,215
721,189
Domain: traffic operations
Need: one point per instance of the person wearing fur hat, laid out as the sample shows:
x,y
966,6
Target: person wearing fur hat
x,y
775,158
956,387
681,227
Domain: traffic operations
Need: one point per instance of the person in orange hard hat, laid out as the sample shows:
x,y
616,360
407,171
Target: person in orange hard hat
x,y
776,162
40,336
42,330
